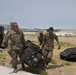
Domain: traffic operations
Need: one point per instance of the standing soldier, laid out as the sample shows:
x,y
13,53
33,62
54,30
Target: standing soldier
x,y
16,45
48,45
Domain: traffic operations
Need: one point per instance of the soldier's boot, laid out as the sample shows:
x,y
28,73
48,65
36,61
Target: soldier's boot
x,y
43,66
47,65
23,66
15,69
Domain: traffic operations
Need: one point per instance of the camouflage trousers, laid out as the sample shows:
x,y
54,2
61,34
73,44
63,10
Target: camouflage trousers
x,y
47,55
14,55
10,53
9,50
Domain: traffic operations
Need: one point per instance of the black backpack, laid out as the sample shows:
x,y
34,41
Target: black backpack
x,y
1,34
32,55
69,54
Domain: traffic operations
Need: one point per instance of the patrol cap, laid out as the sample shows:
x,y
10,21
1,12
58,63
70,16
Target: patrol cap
x,y
12,23
51,28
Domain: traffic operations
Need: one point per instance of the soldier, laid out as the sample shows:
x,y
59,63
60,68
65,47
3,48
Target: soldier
x,y
40,38
48,45
16,45
9,41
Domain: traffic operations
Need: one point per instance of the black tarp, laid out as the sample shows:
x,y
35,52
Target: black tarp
x,y
1,34
32,55
68,54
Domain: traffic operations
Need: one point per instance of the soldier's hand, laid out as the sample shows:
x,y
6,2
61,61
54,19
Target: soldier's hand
x,y
40,46
59,47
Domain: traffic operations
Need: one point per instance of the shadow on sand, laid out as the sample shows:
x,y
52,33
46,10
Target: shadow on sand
x,y
40,70
33,70
56,66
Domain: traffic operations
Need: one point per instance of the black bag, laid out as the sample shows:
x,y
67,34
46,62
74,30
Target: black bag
x,y
1,35
69,54
32,55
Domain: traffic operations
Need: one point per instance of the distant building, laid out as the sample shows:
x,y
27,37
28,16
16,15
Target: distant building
x,y
59,32
66,33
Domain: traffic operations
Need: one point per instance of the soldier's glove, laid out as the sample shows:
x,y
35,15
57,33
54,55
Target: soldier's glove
x,y
59,47
40,46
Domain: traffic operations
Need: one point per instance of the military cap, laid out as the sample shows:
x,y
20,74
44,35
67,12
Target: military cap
x,y
12,23
51,28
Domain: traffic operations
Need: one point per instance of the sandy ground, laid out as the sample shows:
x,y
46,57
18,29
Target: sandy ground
x,y
9,71
60,67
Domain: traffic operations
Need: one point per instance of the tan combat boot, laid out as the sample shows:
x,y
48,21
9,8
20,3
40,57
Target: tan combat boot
x,y
15,69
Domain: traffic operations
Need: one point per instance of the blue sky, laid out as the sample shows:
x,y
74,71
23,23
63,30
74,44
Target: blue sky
x,y
60,14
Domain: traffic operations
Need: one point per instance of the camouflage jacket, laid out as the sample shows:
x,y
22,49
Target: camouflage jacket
x,y
16,39
49,41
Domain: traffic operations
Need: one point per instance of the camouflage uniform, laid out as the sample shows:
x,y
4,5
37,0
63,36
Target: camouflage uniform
x,y
48,46
9,41
16,44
